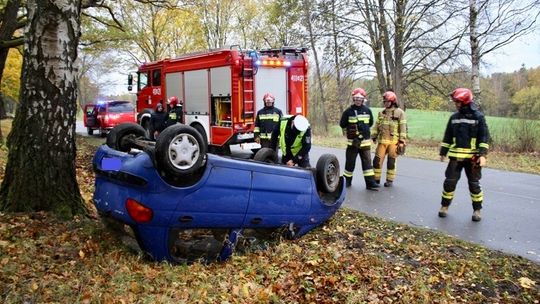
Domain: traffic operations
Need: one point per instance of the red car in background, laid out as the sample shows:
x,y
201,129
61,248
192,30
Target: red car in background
x,y
105,115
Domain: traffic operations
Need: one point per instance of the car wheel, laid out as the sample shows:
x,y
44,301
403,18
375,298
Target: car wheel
x,y
328,173
180,151
266,155
121,137
90,131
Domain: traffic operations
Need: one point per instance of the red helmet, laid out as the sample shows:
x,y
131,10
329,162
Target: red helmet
x,y
390,96
462,95
358,92
173,101
268,95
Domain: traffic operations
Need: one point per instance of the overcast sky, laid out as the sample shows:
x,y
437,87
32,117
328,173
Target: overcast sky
x,y
510,58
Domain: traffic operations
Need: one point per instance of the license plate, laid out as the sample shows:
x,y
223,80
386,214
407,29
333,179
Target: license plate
x,y
245,136
250,146
111,163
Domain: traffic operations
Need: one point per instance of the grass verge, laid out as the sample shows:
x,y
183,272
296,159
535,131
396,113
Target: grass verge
x,y
353,258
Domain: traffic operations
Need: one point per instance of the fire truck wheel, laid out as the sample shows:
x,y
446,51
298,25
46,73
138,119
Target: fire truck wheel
x,y
266,155
180,151
122,137
328,173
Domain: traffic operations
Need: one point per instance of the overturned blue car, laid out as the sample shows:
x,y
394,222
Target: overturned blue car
x,y
183,203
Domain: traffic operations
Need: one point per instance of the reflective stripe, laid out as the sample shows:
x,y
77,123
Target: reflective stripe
x,y
445,145
256,130
483,145
266,135
273,117
464,120
369,172
347,173
390,174
448,195
477,198
461,155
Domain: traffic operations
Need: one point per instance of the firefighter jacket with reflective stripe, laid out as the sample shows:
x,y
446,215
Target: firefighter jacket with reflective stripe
x,y
391,126
293,143
175,115
357,120
267,119
466,134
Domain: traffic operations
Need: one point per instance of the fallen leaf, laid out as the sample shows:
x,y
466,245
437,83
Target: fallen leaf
x,y
526,283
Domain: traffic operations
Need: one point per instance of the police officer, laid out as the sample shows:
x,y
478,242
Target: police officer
x,y
356,122
176,112
465,143
267,118
390,132
294,136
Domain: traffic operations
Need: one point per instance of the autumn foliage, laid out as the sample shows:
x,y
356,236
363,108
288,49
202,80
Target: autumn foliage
x,y
354,258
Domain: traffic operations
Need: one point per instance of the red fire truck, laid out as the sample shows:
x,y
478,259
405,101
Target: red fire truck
x,y
222,90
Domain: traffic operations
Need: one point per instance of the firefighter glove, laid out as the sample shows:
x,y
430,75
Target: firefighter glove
x,y
400,149
352,131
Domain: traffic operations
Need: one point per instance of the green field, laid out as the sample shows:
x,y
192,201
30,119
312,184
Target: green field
x,y
508,134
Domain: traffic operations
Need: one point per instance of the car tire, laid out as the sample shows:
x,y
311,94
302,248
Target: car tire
x,y
266,155
328,177
180,151
90,131
121,137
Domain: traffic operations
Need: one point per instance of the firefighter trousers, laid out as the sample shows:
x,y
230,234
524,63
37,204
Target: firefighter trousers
x,y
453,173
381,152
364,151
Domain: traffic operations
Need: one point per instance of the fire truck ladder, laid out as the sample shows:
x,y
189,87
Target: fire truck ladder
x,y
247,84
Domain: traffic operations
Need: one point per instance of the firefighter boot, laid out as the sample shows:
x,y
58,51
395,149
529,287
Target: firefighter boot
x,y
348,181
476,217
371,184
388,183
443,211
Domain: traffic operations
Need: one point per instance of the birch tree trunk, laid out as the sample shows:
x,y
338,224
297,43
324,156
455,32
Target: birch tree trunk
x,y
475,51
40,172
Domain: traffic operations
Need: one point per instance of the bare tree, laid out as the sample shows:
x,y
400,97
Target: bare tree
x,y
409,39
494,24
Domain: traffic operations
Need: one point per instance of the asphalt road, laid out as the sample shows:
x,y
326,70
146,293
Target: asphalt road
x,y
509,217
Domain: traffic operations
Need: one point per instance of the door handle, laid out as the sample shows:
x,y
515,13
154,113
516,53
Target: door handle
x,y
256,220
185,219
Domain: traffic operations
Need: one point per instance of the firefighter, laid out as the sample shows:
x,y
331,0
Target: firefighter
x,y
157,121
176,112
390,132
267,118
465,143
356,122
294,136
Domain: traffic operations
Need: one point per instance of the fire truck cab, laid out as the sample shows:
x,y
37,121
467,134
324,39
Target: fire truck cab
x,y
222,90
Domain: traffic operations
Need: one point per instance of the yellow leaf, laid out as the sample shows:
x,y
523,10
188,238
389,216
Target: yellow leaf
x,y
81,254
35,286
245,290
526,283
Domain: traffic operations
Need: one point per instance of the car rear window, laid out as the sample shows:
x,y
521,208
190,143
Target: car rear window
x,y
120,107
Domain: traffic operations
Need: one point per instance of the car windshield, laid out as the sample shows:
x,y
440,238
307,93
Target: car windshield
x,y
120,107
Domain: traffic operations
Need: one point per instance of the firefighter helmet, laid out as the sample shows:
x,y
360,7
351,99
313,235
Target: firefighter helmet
x,y
173,101
268,95
300,123
462,95
358,92
390,96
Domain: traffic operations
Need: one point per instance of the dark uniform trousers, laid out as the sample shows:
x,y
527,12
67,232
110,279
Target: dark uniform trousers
x,y
362,149
453,173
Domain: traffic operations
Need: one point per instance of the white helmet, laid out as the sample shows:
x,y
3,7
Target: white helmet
x,y
300,123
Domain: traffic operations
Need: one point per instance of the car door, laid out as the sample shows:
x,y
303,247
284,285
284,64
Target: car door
x,y
89,116
279,196
219,201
